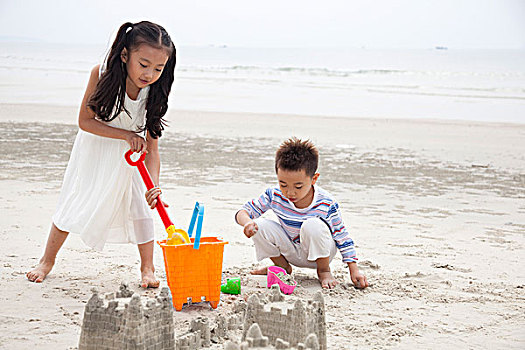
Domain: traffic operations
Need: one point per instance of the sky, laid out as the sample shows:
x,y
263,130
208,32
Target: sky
x,y
494,24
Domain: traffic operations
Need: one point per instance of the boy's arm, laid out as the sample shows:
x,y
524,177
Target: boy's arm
x,y
252,210
342,239
243,218
345,244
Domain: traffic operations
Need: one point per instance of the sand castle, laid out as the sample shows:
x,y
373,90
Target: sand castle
x,y
255,340
284,324
126,322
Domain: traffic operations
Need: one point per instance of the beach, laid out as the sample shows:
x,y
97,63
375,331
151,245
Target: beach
x,y
423,149
436,209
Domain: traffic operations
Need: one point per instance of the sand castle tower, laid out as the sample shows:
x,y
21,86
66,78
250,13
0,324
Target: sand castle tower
x,y
128,324
256,341
284,322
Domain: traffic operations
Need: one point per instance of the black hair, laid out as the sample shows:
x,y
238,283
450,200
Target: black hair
x,y
296,155
111,88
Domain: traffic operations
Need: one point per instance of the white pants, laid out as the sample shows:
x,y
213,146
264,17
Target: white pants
x,y
315,242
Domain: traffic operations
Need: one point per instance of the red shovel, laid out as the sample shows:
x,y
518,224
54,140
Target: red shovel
x,y
175,236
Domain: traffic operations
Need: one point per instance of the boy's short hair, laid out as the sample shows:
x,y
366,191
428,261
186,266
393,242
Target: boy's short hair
x,y
296,155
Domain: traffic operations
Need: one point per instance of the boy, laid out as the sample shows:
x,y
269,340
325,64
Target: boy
x,y
310,228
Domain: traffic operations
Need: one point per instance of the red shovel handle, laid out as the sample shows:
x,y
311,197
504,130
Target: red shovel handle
x,y
149,184
139,163
130,161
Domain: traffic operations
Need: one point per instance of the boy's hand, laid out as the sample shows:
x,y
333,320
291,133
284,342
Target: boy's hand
x,y
358,279
152,197
250,229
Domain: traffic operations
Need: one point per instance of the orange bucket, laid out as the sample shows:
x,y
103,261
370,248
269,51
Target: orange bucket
x,y
194,273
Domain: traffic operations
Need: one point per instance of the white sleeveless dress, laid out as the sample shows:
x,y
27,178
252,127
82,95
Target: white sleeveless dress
x,y
102,197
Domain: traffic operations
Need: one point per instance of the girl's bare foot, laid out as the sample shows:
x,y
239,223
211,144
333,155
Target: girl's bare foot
x,y
148,278
327,280
264,270
39,273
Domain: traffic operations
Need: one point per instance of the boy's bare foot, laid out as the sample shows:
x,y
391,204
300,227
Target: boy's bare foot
x,y
148,279
259,271
39,273
264,270
327,279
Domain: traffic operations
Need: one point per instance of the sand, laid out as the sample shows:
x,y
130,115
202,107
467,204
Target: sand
x,y
436,209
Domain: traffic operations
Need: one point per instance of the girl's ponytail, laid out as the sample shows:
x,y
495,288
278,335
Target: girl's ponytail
x,y
111,88
118,43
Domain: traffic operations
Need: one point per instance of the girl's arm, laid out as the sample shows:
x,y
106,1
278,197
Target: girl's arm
x,y
153,158
152,162
87,120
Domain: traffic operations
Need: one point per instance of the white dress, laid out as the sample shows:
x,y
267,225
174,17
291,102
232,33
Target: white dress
x,y
102,197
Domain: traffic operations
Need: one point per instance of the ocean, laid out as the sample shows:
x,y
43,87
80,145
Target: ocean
x,y
446,84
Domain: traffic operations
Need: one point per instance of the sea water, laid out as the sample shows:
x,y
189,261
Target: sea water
x,y
476,85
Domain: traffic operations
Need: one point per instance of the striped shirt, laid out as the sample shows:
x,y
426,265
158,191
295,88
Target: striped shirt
x,y
291,218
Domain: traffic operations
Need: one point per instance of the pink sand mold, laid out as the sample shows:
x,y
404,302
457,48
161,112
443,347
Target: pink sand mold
x,y
278,275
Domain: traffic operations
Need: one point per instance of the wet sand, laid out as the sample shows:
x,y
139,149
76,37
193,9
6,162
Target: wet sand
x,y
436,209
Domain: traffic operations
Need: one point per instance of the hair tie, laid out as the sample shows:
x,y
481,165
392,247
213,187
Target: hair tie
x,y
130,28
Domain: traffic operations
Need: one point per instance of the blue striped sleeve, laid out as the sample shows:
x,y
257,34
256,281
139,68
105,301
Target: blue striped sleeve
x,y
260,205
342,239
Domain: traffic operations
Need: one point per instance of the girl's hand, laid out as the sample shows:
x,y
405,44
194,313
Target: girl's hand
x,y
152,196
250,229
136,143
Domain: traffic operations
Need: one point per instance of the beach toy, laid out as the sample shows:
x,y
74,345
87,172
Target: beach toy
x,y
232,286
278,275
194,271
198,214
175,236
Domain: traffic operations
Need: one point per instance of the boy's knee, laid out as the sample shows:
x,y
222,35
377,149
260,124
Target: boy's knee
x,y
264,224
266,229
314,227
317,240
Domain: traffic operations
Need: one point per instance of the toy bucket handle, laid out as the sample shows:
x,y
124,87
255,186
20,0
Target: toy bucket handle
x,y
196,218
130,161
198,231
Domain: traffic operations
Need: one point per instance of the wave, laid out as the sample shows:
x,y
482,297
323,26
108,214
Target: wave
x,y
82,65
342,73
495,84
299,70
422,93
47,69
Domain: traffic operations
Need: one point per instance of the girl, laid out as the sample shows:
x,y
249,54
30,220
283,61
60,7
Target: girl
x,y
102,197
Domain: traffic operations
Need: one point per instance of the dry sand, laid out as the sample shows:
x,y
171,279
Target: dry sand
x,y
436,209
